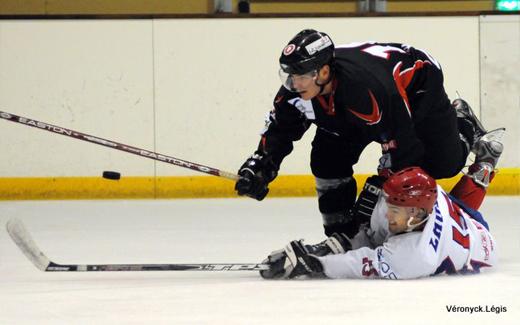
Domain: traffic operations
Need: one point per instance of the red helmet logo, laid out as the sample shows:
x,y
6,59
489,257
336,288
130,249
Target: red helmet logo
x,y
289,49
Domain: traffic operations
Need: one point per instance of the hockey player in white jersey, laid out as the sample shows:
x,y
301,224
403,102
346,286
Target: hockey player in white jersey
x,y
416,230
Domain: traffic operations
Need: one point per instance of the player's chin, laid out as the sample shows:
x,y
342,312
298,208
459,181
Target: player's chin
x,y
305,95
394,229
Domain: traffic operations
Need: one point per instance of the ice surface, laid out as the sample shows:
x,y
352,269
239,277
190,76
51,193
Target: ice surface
x,y
224,230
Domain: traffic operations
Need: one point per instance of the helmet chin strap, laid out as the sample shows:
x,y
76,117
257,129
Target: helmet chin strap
x,y
411,227
322,86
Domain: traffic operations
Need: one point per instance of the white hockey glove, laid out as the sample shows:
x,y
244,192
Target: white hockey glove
x,y
299,263
284,262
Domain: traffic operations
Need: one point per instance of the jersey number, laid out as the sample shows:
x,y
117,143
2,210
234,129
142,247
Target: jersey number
x,y
368,268
456,215
382,51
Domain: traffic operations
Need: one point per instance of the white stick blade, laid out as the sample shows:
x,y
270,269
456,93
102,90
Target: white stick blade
x,y
24,241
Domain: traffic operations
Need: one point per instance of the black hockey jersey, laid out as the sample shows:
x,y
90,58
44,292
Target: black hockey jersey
x,y
378,91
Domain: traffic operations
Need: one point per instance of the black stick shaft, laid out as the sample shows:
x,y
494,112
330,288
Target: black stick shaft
x,y
117,145
53,267
23,239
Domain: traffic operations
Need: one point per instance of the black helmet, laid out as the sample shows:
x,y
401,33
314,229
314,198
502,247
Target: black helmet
x,y
307,51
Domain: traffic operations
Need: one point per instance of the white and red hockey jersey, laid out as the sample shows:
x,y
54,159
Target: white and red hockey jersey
x,y
451,242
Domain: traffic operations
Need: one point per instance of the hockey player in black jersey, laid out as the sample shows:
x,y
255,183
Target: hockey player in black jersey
x,y
355,94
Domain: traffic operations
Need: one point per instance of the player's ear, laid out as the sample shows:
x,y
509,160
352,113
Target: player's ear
x,y
423,214
412,212
418,213
324,72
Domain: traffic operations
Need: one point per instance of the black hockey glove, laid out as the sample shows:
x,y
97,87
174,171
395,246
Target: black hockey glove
x,y
255,174
367,199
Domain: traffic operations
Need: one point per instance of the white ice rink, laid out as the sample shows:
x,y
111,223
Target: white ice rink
x,y
224,230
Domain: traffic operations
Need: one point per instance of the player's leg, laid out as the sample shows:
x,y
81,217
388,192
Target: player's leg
x,y
437,125
469,124
471,188
458,142
445,151
448,131
331,164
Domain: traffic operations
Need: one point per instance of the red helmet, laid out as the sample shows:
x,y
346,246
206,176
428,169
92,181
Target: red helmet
x,y
411,187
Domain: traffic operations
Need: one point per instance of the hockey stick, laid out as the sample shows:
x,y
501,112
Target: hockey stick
x,y
24,241
118,146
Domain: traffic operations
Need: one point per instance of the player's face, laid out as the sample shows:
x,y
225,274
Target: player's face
x,y
397,218
305,85
308,84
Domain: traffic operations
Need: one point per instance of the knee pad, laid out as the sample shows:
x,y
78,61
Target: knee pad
x,y
335,198
349,229
335,195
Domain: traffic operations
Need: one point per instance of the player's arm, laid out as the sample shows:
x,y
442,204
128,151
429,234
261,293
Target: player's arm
x,y
399,258
284,124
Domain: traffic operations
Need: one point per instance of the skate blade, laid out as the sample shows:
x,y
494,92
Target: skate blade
x,y
494,135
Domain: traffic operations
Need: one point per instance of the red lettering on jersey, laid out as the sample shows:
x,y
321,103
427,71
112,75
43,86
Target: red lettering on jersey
x,y
368,269
372,118
456,215
455,212
459,238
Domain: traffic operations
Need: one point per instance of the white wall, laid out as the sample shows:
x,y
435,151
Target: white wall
x,y
91,76
500,86
195,89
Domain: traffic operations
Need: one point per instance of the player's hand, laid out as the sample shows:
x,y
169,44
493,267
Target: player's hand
x,y
299,262
291,262
255,175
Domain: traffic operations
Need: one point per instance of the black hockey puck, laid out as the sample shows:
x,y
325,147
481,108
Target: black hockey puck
x,y
111,175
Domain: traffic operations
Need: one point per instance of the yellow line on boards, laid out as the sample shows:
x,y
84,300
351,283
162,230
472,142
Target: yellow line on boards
x,y
506,182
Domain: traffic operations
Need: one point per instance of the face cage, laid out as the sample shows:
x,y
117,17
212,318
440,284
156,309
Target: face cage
x,y
288,79
386,196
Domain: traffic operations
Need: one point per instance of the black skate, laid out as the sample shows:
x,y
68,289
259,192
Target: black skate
x,y
464,112
487,152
